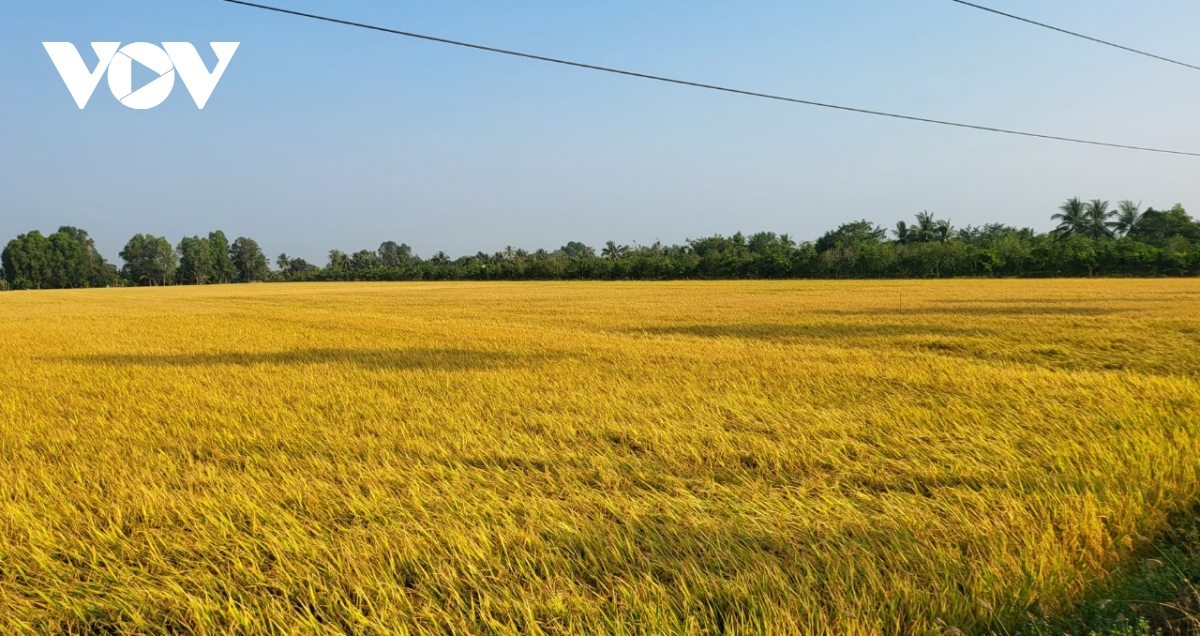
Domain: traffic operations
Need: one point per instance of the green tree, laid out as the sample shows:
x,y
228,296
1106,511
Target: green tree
x,y
149,260
300,267
1158,227
766,243
365,260
929,229
614,252
76,262
197,264
68,261
1072,218
575,249
338,261
1078,255
1097,215
392,254
224,271
248,260
27,261
1129,216
851,234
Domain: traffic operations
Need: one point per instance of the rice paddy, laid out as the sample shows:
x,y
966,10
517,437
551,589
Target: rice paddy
x,y
627,458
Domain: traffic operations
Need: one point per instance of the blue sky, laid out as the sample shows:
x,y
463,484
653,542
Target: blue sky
x,y
322,136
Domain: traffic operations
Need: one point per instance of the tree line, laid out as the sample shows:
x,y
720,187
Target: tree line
x,y
1092,238
68,259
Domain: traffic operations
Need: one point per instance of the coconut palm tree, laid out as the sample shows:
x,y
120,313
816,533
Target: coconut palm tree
x,y
926,227
1071,217
614,252
942,231
338,260
1097,214
926,230
1129,216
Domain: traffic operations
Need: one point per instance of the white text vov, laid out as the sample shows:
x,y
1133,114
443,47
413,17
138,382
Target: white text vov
x,y
118,61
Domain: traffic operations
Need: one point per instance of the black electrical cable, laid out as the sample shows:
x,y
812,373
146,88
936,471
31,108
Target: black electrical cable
x,y
1074,34
657,78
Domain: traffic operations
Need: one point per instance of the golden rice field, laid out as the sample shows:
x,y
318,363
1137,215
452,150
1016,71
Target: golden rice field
x,y
621,458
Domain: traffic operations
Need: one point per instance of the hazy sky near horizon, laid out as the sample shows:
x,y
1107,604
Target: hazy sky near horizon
x,y
322,136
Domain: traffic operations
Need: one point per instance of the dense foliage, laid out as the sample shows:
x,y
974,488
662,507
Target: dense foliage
x,y
67,258
1091,239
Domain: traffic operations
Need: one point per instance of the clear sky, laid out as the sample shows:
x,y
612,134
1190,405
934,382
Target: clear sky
x,y
321,136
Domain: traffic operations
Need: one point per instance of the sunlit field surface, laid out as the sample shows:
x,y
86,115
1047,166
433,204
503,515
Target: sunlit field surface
x,y
741,457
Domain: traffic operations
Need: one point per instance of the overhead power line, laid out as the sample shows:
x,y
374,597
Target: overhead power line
x,y
1078,35
713,87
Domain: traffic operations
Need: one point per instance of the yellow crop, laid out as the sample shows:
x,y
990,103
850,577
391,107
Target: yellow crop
x,y
741,457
